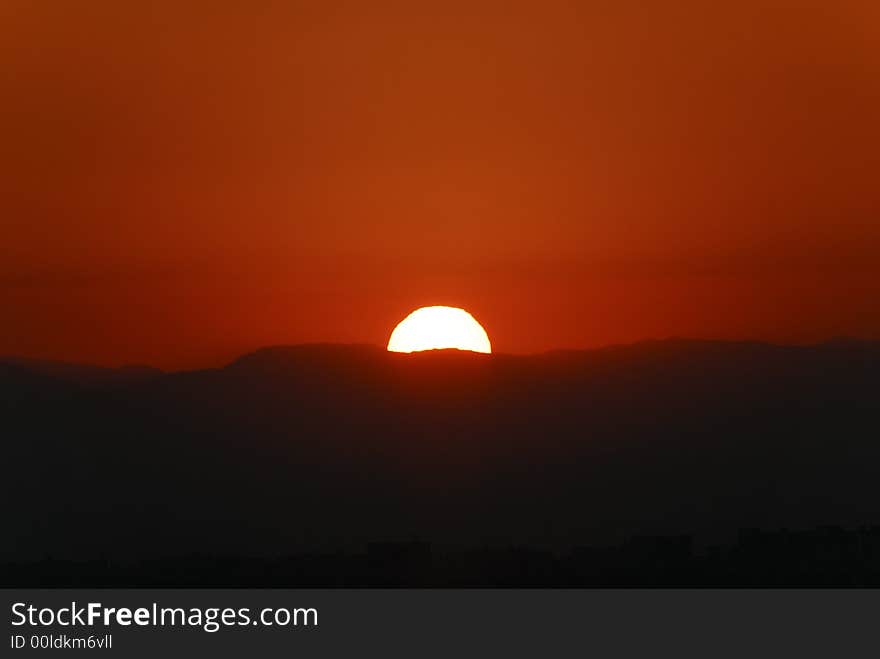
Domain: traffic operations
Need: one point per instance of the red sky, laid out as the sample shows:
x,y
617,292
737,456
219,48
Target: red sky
x,y
184,181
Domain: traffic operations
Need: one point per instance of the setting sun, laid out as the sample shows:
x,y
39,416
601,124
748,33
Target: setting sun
x,y
432,328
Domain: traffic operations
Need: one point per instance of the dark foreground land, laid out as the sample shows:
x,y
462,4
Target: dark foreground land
x,y
819,558
636,465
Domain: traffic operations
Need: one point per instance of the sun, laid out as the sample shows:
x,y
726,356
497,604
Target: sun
x,y
433,328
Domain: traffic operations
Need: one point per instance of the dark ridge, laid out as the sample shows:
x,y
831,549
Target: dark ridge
x,y
83,374
306,351
326,450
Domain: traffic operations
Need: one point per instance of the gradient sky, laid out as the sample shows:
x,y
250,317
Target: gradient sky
x,y
184,181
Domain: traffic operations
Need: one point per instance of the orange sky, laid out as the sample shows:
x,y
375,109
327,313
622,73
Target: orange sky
x,y
184,181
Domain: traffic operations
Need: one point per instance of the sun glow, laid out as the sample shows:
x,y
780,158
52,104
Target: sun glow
x,y
433,328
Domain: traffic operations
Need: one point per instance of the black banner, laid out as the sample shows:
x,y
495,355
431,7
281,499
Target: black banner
x,y
408,623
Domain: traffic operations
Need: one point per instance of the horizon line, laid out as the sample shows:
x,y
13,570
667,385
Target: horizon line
x,y
63,362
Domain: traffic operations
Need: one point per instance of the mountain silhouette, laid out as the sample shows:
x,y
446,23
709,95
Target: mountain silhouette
x,y
335,448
